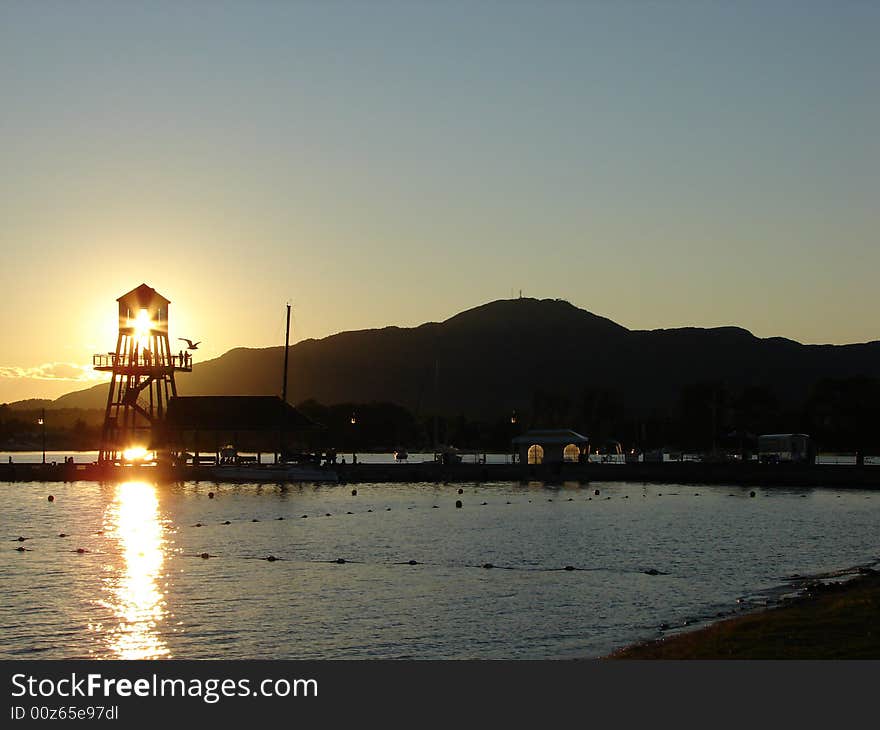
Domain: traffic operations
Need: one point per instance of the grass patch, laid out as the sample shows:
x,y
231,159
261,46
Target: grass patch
x,y
831,622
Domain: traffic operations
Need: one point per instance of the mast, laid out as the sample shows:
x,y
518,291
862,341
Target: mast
x,y
280,455
286,354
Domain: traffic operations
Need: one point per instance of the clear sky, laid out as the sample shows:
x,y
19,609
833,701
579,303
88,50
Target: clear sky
x,y
662,164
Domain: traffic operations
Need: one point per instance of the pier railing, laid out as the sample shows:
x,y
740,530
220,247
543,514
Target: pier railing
x,y
112,361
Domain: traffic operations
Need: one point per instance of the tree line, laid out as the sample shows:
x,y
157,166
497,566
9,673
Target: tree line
x,y
839,414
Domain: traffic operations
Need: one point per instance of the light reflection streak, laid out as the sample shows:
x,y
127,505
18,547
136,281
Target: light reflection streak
x,y
135,596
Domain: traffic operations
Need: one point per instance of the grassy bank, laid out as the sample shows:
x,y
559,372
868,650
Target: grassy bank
x,y
837,621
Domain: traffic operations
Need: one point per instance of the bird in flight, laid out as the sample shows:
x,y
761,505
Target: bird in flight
x,y
190,345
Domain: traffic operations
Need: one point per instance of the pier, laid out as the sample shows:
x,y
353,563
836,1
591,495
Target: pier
x,y
733,473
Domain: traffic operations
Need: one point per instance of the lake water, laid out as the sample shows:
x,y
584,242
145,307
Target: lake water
x,y
142,590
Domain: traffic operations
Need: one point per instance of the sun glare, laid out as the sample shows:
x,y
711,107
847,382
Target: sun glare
x,y
135,453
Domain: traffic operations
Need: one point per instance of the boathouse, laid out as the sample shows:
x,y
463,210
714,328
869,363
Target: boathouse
x,y
255,424
551,447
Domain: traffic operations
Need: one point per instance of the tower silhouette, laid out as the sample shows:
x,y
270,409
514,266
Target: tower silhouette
x,y
143,374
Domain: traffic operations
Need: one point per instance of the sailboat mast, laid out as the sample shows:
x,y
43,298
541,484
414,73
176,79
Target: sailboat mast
x,y
286,355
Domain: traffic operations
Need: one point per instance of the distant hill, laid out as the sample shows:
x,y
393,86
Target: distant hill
x,y
491,359
31,404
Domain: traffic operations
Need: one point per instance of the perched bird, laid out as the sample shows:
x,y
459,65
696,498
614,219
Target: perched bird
x,y
190,345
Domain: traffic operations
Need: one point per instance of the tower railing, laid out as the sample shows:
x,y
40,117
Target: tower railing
x,y
112,361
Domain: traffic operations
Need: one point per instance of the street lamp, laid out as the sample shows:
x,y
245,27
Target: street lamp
x,y
41,421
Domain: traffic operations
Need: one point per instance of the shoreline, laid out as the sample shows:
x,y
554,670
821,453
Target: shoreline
x,y
728,474
836,620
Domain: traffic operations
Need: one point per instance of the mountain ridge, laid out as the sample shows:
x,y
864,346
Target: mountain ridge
x,y
500,355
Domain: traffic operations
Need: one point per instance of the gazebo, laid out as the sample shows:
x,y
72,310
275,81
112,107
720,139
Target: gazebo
x,y
552,447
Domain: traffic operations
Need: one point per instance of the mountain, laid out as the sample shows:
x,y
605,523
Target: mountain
x,y
496,357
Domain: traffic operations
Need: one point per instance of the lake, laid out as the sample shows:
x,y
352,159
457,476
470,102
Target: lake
x,y
141,589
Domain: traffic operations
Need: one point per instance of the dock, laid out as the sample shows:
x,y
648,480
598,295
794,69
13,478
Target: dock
x,y
727,473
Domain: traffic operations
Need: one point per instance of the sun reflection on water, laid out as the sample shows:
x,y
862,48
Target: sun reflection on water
x,y
135,596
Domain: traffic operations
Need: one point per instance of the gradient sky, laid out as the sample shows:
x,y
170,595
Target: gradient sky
x,y
375,163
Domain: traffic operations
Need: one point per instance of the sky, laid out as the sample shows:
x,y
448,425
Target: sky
x,y
377,163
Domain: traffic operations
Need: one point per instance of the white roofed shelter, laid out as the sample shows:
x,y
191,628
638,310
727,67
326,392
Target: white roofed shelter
x,y
551,446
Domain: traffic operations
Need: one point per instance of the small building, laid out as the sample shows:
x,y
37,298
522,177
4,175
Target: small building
x,y
777,447
249,423
551,447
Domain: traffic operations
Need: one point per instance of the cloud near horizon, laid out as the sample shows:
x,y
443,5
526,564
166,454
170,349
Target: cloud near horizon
x,y
66,371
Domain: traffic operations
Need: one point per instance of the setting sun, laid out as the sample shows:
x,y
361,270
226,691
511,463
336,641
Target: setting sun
x,y
142,325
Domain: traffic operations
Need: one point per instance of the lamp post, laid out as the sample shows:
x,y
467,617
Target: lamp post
x,y
515,430
41,421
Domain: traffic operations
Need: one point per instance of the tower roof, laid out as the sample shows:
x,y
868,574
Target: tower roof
x,y
143,295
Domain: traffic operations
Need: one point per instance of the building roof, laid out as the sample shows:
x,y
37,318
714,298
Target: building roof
x,y
783,435
234,413
549,437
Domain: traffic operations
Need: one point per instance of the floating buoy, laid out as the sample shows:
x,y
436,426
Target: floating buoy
x,y
339,561
21,539
21,549
458,504
596,492
227,522
570,499
255,520
80,551
652,571
51,498
569,567
198,524
279,518
204,556
751,494
369,510
354,492
304,517
349,513
461,491
508,502
388,509
488,566
62,534
413,562
434,506
549,500
696,494
484,503
327,514
210,495
271,558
